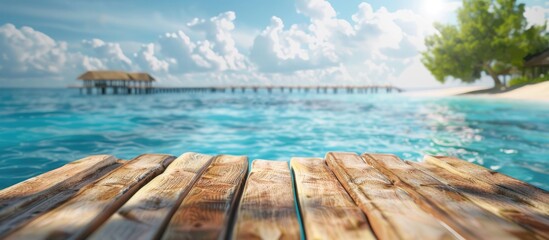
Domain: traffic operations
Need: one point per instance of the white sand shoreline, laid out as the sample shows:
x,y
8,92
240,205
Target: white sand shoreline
x,y
444,92
533,92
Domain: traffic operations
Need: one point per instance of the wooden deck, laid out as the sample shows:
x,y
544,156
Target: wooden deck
x,y
343,196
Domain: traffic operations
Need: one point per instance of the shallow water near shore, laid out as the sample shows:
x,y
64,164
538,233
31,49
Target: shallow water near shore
x,y
42,129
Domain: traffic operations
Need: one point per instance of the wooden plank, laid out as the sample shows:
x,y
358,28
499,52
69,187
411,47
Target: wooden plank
x,y
43,205
484,195
392,213
537,198
16,198
326,209
448,205
206,210
267,207
147,213
82,214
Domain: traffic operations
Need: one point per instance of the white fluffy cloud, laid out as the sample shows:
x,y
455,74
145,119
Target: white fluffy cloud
x,y
215,52
370,46
280,50
107,55
537,15
315,9
147,60
26,52
326,50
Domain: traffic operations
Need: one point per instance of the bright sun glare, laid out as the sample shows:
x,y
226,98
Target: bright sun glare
x,y
433,9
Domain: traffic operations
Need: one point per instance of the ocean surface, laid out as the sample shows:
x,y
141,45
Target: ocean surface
x,y
42,129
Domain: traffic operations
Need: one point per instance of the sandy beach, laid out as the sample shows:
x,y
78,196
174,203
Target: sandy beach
x,y
538,91
533,92
444,92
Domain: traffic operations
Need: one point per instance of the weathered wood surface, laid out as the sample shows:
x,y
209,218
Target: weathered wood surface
x,y
17,197
45,204
147,213
267,207
392,213
82,214
199,197
447,204
326,209
538,198
488,198
206,210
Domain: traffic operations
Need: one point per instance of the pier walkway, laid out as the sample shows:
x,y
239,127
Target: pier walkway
x,y
341,196
127,89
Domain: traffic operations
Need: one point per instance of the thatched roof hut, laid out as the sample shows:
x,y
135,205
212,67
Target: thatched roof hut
x,y
537,65
538,59
140,76
115,75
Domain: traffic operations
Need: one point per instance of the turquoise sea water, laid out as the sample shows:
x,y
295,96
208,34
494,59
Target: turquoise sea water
x,y
44,129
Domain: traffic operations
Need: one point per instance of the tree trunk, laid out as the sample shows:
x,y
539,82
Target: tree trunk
x,y
494,75
497,82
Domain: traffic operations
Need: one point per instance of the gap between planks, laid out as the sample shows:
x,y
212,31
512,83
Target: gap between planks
x,y
324,202
82,214
28,200
446,203
267,207
206,211
392,212
355,196
147,212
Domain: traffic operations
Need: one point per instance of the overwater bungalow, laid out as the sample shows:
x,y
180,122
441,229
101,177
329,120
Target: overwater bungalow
x,y
117,82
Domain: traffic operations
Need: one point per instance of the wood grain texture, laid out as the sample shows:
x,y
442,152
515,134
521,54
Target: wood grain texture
x,y
267,207
447,204
537,198
16,198
43,205
148,211
326,209
79,216
484,196
392,213
206,210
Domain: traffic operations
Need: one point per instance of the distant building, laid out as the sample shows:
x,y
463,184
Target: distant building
x,y
117,82
537,64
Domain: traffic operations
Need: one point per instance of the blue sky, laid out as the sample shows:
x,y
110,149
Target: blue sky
x,y
207,42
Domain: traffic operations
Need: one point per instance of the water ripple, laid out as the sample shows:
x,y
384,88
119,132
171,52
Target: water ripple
x,y
57,126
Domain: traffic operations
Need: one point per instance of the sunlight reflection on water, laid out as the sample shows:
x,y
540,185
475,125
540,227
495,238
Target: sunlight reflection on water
x,y
43,129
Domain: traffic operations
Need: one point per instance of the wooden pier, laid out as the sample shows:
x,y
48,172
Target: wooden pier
x,y
125,83
149,89
117,82
341,196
